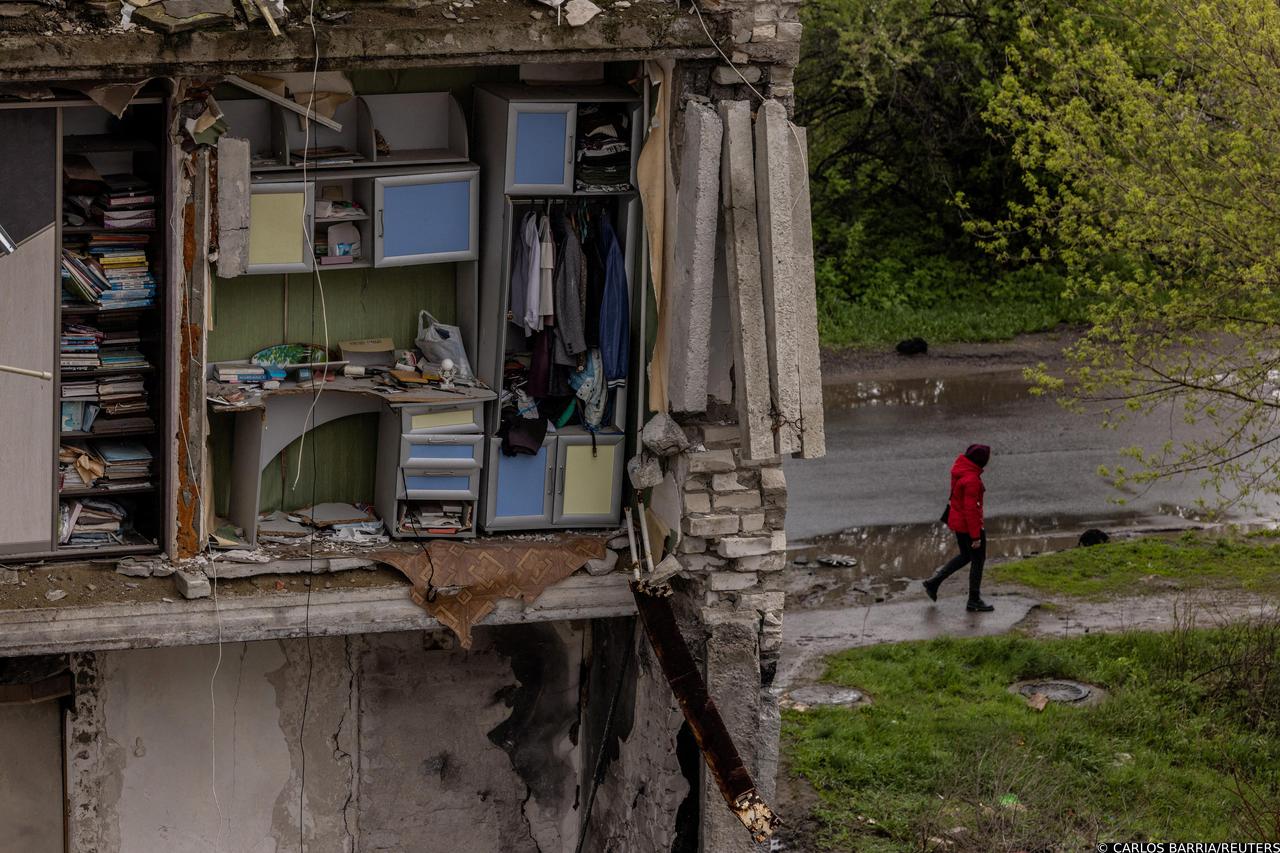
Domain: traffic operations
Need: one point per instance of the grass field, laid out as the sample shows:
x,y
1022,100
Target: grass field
x,y
946,758
1132,567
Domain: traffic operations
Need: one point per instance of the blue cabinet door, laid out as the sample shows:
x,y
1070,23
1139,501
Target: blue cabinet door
x,y
425,219
520,488
540,149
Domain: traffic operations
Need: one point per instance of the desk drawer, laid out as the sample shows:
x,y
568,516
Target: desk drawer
x,y
454,452
429,485
425,420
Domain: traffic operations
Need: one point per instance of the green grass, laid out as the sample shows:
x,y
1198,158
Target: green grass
x,y
982,319
944,741
1151,565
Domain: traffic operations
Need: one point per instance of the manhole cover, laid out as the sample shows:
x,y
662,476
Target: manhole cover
x,y
1061,690
823,694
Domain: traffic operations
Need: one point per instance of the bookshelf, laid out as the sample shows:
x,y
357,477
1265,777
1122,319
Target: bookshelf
x,y
111,393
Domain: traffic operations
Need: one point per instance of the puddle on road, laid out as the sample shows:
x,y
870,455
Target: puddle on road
x,y
892,558
960,393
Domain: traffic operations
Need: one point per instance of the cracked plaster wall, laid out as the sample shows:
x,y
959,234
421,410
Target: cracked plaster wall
x,y
410,745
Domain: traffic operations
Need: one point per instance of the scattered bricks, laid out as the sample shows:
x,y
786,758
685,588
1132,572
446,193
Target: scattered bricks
x,y
644,471
739,500
192,584
731,581
711,462
693,545
753,523
604,565
715,435
744,546
711,525
664,436
703,563
726,483
788,31
763,563
132,569
767,461
773,481
725,75
697,502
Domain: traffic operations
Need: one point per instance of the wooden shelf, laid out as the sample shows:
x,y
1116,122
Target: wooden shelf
x,y
72,373
105,143
354,265
100,491
100,551
124,433
102,229
334,220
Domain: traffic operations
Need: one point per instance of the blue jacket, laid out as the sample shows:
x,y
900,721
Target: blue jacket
x,y
615,309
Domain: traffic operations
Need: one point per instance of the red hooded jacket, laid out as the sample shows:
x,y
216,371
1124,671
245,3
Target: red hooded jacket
x,y
966,497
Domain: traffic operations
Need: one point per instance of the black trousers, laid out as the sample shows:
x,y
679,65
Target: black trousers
x,y
973,557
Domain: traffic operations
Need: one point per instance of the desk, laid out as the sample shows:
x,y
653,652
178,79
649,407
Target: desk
x,y
268,421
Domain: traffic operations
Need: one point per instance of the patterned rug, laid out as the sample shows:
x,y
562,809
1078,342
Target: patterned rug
x,y
477,574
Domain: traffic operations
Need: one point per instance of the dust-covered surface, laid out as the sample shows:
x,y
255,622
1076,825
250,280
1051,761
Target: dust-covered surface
x,y
56,41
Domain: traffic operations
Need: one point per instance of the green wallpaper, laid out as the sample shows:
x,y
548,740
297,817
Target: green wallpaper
x,y
248,311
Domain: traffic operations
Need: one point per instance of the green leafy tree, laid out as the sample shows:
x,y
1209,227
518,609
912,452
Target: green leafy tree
x,y
1148,136
893,93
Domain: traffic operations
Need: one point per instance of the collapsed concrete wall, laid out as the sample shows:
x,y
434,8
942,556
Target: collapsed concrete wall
x,y
408,744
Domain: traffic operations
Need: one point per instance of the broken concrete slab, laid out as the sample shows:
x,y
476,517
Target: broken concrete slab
x,y
157,19
192,584
320,565
233,205
644,471
742,265
773,148
664,436
690,295
813,437
604,565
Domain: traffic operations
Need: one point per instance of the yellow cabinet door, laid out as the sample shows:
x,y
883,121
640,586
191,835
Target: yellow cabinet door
x,y
590,490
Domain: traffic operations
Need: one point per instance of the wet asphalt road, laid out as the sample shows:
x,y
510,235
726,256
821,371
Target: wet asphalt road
x,y
890,446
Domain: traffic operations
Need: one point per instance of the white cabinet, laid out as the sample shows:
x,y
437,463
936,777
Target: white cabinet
x,y
280,227
540,141
426,218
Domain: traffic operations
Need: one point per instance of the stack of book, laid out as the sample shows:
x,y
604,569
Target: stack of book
x,y
79,415
127,462
87,522
123,399
127,204
80,389
241,373
78,466
124,265
79,350
122,281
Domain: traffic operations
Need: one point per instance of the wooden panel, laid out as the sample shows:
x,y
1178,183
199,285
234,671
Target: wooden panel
x,y
28,171
588,479
27,454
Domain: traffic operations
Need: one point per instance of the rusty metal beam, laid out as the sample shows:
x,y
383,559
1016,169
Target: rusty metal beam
x,y
685,678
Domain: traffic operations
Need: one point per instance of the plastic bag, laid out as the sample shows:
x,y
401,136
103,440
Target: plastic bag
x,y
438,341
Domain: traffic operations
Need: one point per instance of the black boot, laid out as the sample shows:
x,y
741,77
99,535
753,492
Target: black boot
x,y
931,585
975,604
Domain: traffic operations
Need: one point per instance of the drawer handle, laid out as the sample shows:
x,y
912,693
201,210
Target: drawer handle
x,y
560,482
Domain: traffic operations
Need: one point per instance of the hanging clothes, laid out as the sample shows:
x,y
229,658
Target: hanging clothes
x,y
592,390
569,292
529,308
615,312
540,368
519,278
546,272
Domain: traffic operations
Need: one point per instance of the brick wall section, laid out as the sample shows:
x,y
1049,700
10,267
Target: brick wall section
x,y
733,540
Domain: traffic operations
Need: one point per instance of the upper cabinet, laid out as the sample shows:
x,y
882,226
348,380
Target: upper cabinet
x,y
426,218
540,149
280,216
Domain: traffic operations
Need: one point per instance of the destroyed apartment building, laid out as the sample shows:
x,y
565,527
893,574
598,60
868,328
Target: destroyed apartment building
x,y
394,396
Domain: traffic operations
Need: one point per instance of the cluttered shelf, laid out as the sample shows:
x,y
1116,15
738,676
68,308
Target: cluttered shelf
x,y
134,431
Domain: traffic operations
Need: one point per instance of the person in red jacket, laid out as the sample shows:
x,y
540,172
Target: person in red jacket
x,y
964,517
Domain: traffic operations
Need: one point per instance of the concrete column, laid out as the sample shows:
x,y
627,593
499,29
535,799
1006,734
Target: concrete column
x,y
690,295
813,440
742,264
